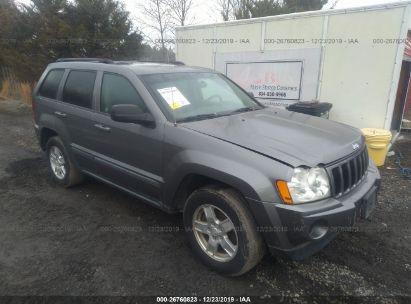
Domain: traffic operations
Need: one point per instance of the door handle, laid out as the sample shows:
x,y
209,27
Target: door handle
x,y
60,114
102,127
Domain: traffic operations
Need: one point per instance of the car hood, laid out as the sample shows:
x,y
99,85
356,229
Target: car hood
x,y
290,137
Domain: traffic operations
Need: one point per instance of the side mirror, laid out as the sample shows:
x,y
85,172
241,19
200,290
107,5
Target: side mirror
x,y
132,114
251,94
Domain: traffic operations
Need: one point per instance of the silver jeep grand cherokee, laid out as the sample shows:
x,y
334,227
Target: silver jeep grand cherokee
x,y
247,178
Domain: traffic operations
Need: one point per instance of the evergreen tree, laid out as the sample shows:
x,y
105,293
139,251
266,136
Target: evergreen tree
x,y
244,9
33,35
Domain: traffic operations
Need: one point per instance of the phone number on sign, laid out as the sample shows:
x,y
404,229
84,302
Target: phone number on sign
x,y
272,94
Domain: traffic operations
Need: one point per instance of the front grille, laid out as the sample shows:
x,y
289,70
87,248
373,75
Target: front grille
x,y
349,173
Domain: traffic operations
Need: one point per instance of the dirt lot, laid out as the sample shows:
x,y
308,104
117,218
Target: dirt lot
x,y
94,240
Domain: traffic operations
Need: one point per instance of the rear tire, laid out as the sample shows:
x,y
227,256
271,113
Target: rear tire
x,y
62,169
228,243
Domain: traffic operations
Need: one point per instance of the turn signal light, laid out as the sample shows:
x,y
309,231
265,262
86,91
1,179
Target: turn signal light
x,y
284,193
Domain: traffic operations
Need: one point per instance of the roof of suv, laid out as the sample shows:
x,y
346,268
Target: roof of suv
x,y
139,68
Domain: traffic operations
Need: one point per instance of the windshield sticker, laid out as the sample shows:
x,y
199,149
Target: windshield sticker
x,y
173,97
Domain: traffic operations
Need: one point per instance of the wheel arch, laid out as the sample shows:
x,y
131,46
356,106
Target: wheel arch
x,y
178,193
45,134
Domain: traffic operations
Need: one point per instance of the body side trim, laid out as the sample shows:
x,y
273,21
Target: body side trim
x,y
138,173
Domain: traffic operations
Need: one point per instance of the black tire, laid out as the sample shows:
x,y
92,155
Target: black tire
x,y
250,245
72,175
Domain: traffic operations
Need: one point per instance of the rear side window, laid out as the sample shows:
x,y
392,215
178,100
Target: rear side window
x,y
51,84
79,88
116,89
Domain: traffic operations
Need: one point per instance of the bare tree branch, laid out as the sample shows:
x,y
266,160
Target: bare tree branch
x,y
180,10
225,8
157,14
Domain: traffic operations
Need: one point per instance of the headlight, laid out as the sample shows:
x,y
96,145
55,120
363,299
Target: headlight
x,y
306,185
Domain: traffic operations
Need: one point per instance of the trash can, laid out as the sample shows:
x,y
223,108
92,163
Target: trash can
x,y
320,109
377,141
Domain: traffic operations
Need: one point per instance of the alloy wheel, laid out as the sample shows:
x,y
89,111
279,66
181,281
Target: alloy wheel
x,y
57,162
215,233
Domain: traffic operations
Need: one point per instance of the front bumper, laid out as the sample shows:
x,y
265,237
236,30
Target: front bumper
x,y
288,229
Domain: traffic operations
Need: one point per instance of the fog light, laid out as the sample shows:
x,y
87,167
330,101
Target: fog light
x,y
318,230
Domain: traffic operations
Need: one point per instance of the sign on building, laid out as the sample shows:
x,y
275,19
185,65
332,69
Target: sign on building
x,y
268,80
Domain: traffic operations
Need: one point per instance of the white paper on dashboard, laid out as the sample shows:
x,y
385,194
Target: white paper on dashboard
x,y
173,97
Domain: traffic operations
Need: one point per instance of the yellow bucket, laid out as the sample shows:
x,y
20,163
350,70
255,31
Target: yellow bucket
x,y
377,141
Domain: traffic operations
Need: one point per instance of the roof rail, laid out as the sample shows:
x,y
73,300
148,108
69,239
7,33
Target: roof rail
x,y
106,60
148,61
99,60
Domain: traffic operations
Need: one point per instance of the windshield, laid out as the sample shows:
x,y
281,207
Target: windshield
x,y
196,96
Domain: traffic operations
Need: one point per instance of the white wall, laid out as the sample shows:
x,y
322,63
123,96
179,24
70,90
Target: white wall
x,y
357,78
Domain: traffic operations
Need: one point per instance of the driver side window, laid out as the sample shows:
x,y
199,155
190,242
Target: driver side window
x,y
116,89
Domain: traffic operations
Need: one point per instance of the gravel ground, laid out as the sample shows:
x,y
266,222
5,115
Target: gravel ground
x,y
95,240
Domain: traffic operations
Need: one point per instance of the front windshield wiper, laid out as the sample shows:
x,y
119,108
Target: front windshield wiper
x,y
198,117
242,110
214,115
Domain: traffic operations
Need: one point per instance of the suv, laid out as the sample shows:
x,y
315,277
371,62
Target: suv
x,y
246,177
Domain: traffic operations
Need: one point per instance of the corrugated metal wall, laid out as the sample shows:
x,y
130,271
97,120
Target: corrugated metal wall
x,y
358,68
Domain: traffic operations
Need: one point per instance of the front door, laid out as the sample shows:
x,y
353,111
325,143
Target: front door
x,y
129,155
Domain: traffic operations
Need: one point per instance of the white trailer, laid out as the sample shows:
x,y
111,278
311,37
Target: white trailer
x,y
352,58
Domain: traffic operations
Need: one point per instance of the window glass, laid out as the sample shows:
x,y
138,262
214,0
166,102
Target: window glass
x,y
79,88
213,88
51,84
195,95
116,89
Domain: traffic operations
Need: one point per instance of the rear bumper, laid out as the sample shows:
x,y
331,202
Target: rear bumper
x,y
299,231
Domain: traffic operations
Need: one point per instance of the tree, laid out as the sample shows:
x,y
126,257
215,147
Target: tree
x,y
159,20
245,9
225,8
8,16
180,10
48,23
28,29
103,29
8,22
242,8
293,6
44,30
265,8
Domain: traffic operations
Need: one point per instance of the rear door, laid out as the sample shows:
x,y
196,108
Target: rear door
x,y
129,154
75,112
46,97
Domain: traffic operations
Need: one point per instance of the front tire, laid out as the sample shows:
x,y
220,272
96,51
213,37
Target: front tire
x,y
222,231
62,169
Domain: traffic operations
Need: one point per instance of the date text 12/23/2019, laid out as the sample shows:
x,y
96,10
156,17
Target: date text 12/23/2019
x,y
206,299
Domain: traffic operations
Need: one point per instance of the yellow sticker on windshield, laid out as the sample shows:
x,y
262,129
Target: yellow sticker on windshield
x,y
174,98
175,105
